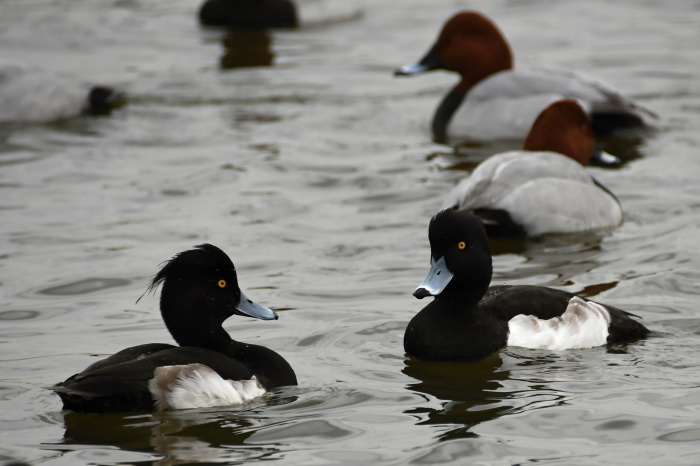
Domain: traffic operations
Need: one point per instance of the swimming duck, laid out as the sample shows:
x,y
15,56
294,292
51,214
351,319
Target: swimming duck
x,y
468,319
276,13
200,291
31,94
495,101
543,188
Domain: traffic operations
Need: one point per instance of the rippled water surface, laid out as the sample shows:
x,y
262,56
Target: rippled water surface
x,y
318,177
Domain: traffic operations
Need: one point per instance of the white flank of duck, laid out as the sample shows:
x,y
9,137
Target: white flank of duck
x,y
584,324
197,386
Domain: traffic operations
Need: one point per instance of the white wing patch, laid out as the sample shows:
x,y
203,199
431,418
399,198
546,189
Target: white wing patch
x,y
198,386
584,324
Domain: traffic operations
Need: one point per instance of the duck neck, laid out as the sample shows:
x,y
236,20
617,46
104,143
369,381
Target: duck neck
x,y
215,339
202,329
464,299
443,114
470,285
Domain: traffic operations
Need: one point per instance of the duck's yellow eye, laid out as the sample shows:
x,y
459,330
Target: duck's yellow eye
x,y
462,245
222,283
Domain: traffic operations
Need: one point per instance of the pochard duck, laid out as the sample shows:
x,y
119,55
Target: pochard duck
x,y
31,94
494,101
199,292
543,188
276,13
469,319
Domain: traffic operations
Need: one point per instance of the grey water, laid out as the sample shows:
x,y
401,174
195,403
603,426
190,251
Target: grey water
x,y
317,175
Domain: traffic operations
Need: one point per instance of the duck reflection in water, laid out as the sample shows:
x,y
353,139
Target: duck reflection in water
x,y
179,437
246,48
468,393
471,393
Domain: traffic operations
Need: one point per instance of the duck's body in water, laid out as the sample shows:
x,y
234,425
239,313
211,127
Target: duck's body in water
x,y
199,292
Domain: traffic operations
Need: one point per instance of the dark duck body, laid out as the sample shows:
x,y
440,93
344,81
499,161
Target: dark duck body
x,y
249,13
468,319
199,292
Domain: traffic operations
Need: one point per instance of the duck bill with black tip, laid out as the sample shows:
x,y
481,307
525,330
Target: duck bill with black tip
x,y
436,281
246,307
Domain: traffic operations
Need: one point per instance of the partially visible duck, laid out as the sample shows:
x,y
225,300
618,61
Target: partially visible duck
x,y
543,188
276,13
200,291
31,94
495,101
468,319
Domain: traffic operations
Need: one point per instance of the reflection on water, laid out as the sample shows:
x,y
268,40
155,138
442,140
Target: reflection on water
x,y
178,436
470,392
245,48
505,383
472,381
221,435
